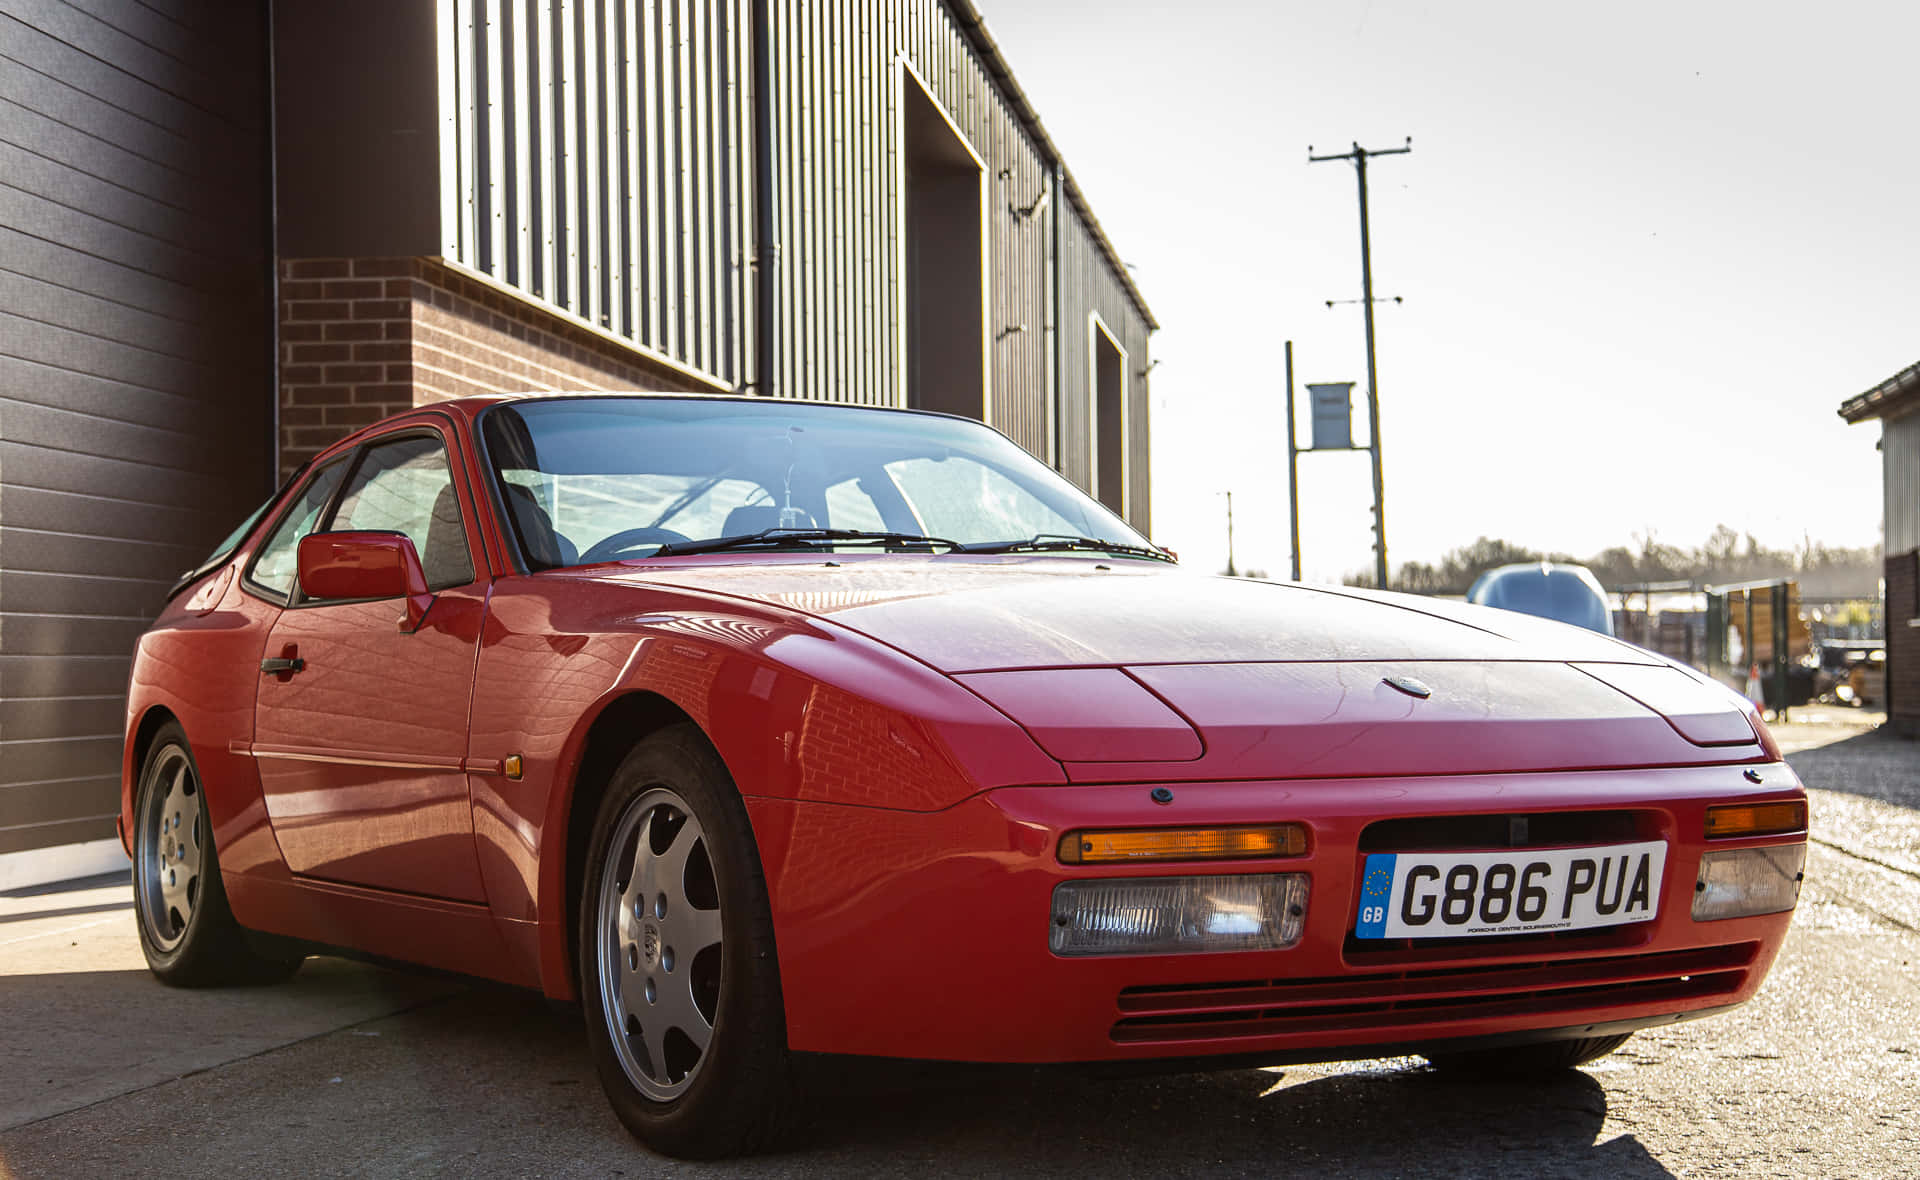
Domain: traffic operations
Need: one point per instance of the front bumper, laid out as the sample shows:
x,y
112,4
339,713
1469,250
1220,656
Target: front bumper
x,y
924,935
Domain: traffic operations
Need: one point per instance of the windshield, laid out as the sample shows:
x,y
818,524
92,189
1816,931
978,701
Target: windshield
x,y
605,478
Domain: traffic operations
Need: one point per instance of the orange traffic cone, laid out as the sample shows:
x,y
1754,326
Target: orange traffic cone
x,y
1754,692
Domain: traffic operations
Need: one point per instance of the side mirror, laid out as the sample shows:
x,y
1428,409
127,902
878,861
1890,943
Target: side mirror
x,y
365,565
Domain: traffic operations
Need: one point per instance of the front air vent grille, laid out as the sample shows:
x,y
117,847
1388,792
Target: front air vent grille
x,y
1406,1000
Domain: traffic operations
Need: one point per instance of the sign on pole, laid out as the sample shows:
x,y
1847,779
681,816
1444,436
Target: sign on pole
x,y
1332,416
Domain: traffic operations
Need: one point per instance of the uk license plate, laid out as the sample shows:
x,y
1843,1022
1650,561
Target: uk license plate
x,y
1512,891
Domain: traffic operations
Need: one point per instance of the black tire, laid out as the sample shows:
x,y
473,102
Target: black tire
x,y
1526,1061
733,1094
187,930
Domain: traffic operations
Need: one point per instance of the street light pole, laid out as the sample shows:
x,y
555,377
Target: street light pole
x,y
1359,157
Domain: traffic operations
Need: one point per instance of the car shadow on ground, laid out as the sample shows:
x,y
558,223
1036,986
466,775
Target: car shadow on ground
x,y
859,1118
1376,1119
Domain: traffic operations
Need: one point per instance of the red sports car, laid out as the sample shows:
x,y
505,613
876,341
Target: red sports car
x,y
765,727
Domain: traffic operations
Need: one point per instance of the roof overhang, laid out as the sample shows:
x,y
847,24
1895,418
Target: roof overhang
x,y
1889,399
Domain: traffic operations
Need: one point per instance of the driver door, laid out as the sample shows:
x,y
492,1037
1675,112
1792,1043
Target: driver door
x,y
361,749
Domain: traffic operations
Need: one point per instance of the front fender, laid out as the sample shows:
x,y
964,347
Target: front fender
x,y
796,707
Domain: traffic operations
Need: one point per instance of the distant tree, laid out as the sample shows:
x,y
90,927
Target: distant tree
x,y
1417,577
1458,569
1614,567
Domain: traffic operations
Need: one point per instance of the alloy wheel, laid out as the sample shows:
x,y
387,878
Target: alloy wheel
x,y
171,849
659,956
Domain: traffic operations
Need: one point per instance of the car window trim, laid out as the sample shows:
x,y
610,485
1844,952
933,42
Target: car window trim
x,y
508,526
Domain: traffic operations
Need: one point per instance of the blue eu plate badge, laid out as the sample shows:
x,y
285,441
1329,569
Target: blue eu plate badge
x,y
1376,893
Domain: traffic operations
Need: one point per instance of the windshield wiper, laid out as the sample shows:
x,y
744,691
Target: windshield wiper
x,y
806,538
1061,543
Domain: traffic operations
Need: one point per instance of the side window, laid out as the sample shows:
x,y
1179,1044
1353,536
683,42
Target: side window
x,y
405,486
279,562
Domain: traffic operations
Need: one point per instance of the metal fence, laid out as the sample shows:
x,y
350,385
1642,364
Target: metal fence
x,y
1797,648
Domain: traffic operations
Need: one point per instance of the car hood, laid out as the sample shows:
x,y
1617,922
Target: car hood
x,y
1130,671
967,614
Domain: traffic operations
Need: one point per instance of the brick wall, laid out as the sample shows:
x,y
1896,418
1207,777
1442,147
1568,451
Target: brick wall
x,y
363,338
1903,643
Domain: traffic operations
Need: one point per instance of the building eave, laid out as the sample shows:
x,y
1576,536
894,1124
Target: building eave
x,y
974,27
1896,394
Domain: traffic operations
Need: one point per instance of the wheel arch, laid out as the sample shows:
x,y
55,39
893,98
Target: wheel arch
x,y
139,743
621,724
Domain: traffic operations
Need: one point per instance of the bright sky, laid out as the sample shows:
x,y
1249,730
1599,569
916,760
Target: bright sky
x,y
1646,249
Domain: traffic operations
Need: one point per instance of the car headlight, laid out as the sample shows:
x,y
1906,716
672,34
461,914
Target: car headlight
x,y
1742,882
1176,915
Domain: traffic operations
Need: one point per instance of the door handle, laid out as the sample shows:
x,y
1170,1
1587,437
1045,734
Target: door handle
x,y
282,667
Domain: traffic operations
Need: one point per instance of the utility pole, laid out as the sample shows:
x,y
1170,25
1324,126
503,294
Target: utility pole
x,y
1293,471
1231,572
1359,156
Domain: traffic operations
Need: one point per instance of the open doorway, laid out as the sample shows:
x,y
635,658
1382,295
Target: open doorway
x,y
1107,369
944,263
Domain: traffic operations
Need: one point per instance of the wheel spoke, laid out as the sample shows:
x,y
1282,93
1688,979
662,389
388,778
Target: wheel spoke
x,y
633,1001
188,833
637,886
693,930
677,1009
670,868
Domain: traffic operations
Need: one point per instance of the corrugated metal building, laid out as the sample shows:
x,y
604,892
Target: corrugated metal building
x,y
367,204
1896,403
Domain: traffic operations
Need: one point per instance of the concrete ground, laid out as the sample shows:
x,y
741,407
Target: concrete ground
x,y
351,1070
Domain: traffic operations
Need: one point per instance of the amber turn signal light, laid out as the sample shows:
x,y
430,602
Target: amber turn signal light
x,y
1138,844
1756,819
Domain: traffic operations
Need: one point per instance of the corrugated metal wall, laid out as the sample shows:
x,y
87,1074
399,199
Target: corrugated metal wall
x,y
1087,288
597,154
838,73
135,333
1900,456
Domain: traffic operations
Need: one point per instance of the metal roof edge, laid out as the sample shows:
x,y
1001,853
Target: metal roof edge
x,y
973,26
1875,402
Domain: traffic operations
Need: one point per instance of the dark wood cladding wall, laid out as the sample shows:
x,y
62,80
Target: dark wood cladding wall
x,y
1088,287
134,348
